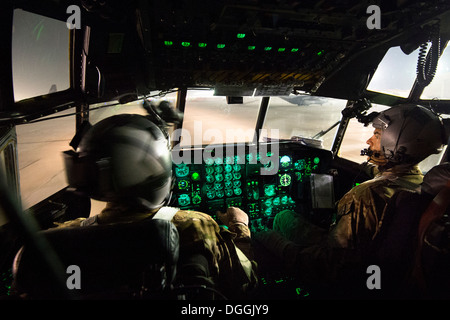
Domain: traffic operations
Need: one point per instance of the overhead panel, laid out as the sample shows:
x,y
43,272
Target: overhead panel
x,y
271,48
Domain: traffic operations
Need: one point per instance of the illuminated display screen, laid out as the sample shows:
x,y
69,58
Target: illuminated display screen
x,y
221,182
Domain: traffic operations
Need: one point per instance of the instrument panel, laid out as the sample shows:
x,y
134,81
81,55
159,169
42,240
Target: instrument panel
x,y
262,182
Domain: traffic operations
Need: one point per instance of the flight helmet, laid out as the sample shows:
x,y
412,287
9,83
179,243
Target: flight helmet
x,y
410,133
124,158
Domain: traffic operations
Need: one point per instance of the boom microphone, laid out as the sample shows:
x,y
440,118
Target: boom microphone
x,y
370,153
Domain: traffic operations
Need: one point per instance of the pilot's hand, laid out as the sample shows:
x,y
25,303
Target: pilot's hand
x,y
233,216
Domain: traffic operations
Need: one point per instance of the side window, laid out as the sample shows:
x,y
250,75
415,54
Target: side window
x,y
39,148
40,55
438,88
40,145
395,74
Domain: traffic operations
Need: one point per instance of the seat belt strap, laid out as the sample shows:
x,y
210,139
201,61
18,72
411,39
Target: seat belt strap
x,y
245,262
166,213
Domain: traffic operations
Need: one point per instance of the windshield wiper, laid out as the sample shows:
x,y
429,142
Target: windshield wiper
x,y
324,132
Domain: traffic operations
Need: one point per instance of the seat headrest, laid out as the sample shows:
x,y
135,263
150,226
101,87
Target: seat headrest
x,y
436,179
108,255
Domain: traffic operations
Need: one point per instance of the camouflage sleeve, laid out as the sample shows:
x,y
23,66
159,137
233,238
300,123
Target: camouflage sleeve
x,y
359,216
70,223
242,238
241,230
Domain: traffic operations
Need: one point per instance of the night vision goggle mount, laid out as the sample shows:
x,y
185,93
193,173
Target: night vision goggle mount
x,y
358,110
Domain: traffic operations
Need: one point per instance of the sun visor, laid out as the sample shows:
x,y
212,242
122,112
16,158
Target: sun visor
x,y
78,170
381,122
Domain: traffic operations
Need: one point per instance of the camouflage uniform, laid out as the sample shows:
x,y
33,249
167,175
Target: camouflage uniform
x,y
316,255
360,212
227,250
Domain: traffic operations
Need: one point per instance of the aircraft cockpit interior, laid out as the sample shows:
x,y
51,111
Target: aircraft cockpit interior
x,y
267,106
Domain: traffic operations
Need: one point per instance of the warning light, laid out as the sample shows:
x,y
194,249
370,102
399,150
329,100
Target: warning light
x,y
195,176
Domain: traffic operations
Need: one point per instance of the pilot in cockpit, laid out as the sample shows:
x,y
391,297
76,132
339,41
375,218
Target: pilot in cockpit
x,y
403,136
126,162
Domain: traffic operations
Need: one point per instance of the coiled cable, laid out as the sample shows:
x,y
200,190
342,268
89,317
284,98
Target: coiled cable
x,y
427,63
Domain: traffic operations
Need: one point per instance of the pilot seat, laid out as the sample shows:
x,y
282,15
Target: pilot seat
x,y
124,261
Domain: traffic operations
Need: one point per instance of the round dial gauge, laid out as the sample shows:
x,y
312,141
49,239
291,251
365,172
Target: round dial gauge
x,y
237,191
269,190
182,170
285,180
184,200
